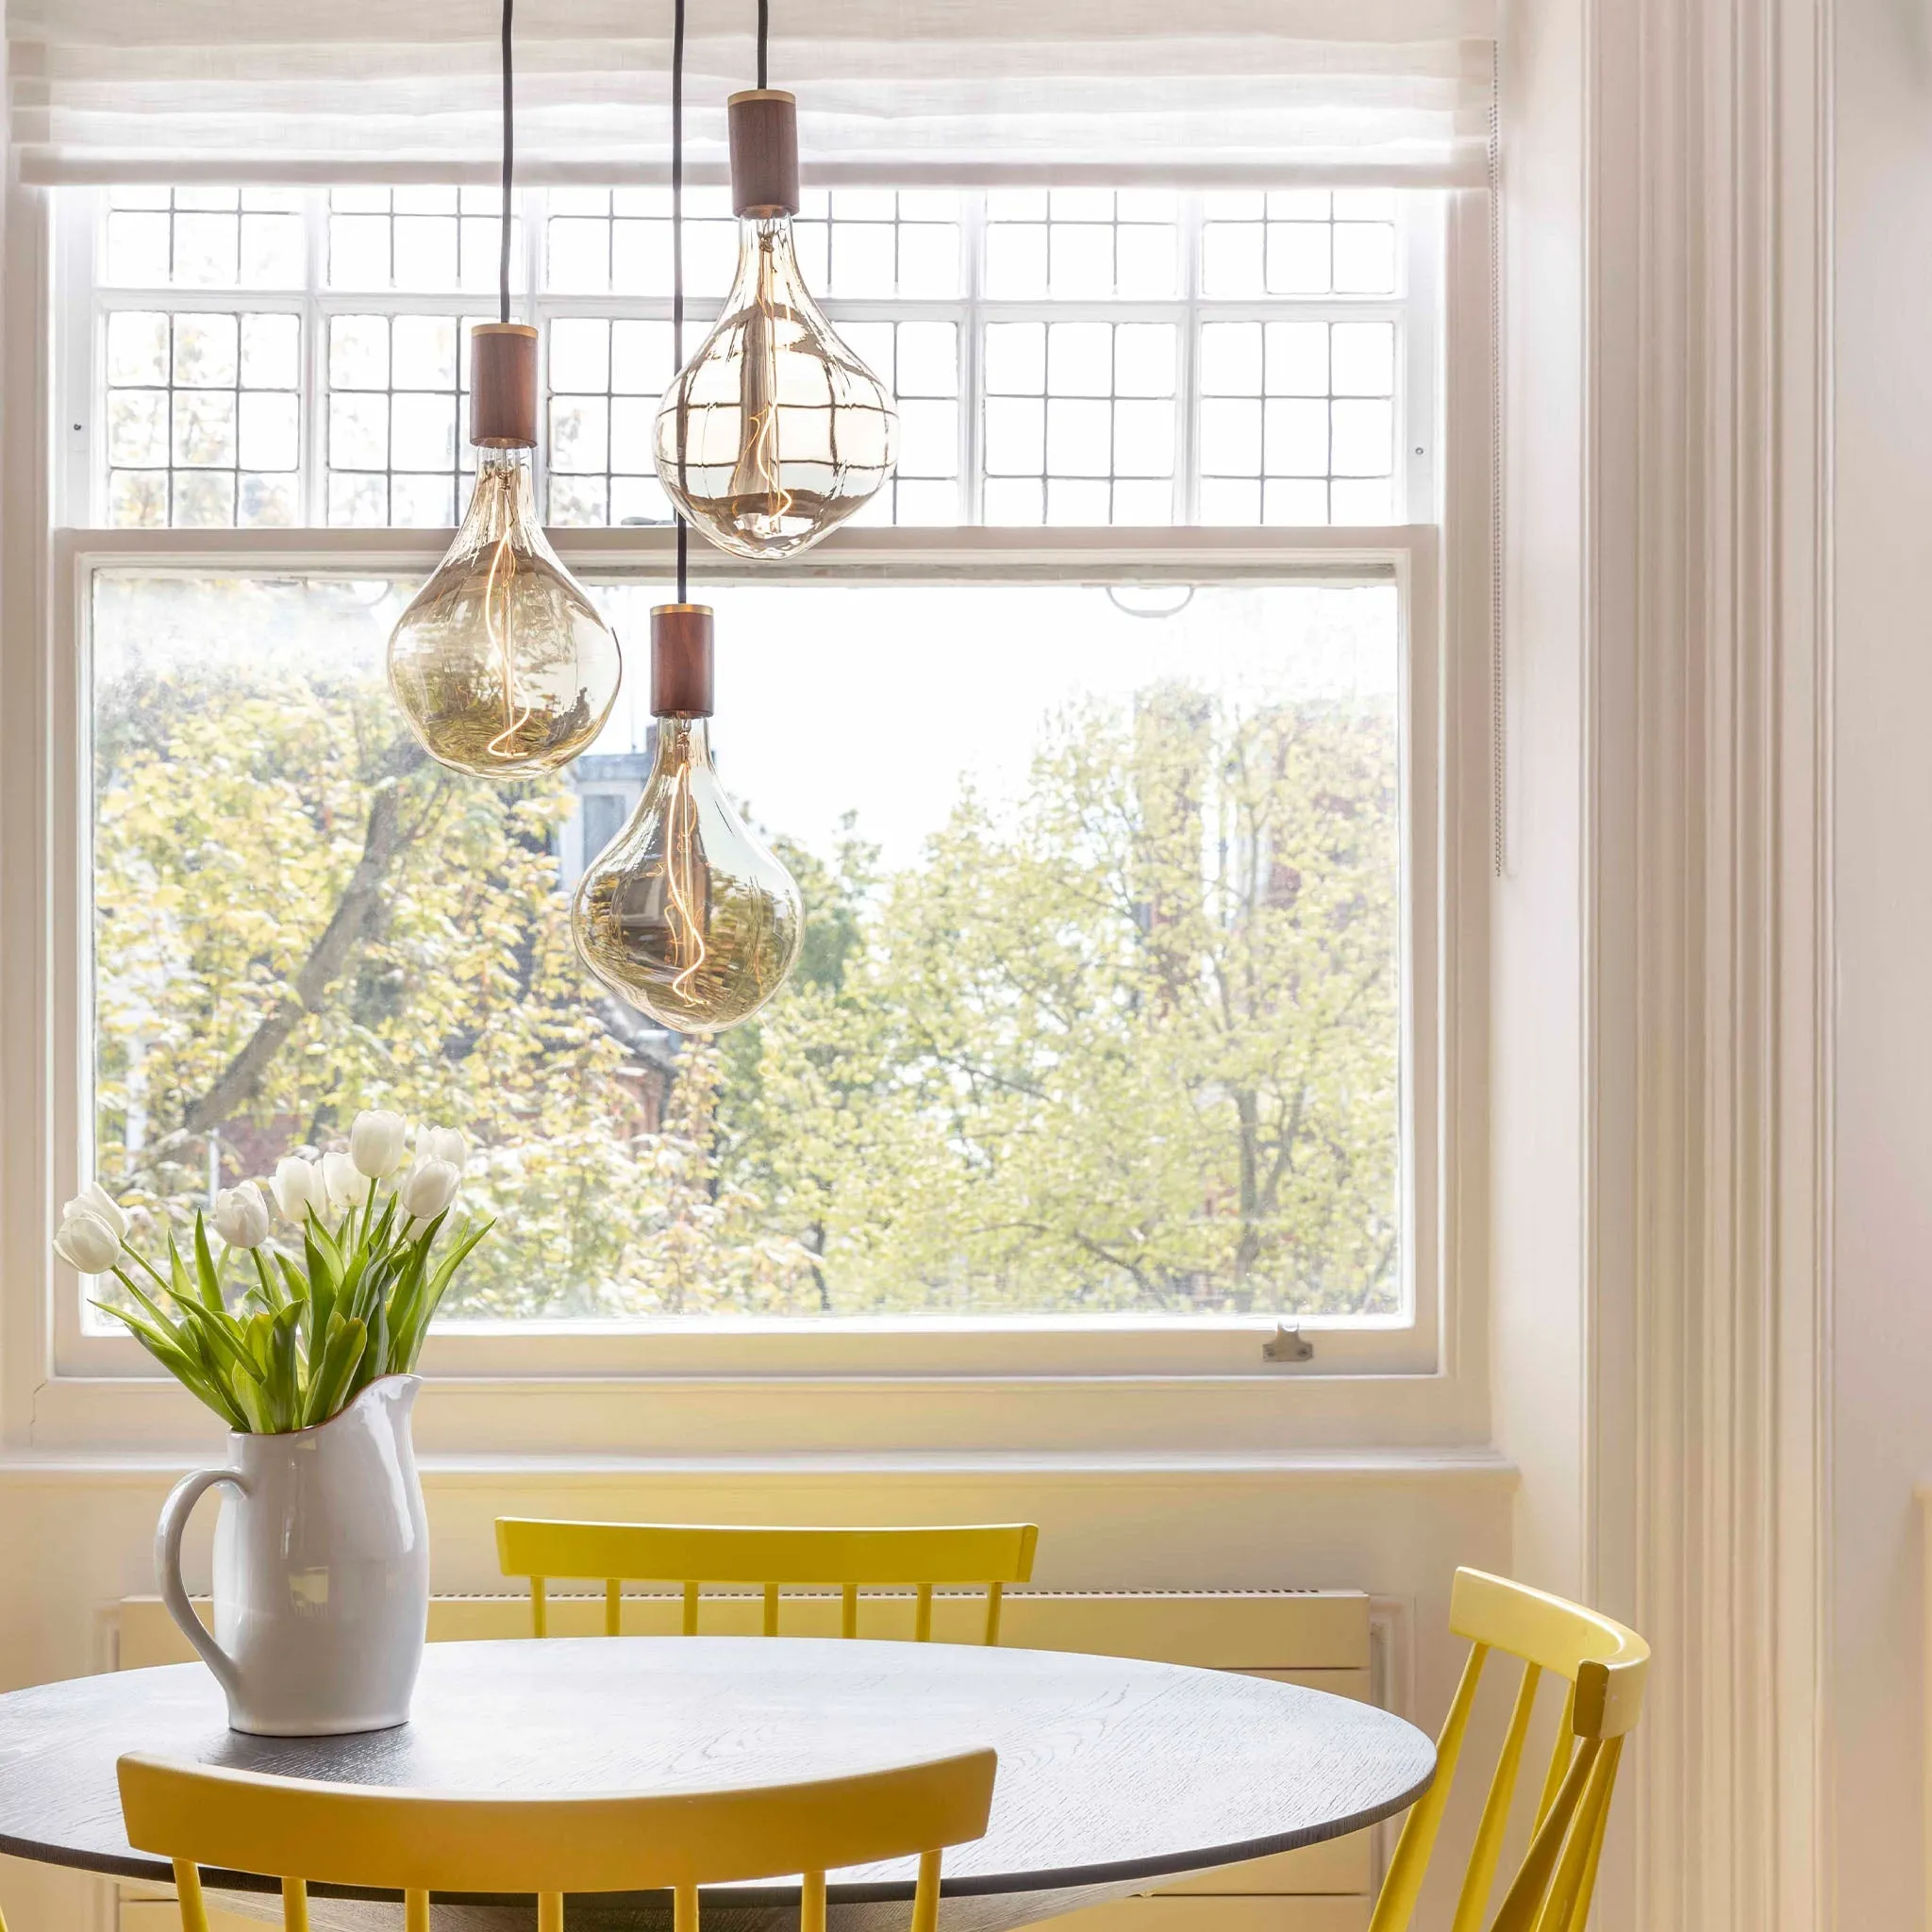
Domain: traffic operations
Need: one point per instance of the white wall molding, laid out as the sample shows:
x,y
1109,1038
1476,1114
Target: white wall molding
x,y
1707,930
1670,661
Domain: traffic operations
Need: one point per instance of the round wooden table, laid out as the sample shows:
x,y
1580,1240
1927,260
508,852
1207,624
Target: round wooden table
x,y
1112,1774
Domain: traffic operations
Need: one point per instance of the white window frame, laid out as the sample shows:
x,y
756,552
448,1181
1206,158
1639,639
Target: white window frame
x,y
81,462
856,1383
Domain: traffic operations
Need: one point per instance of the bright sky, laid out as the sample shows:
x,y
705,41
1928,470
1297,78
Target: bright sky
x,y
882,699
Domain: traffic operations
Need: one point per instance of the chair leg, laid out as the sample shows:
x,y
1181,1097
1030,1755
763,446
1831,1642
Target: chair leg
x,y
188,1889
683,1912
925,1901
811,1903
415,1911
294,1904
550,1911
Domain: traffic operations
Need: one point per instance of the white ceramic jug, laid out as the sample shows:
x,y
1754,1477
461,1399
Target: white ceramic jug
x,y
322,1571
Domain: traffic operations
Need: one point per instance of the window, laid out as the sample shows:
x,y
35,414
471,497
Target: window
x,y
257,359
1117,1011
1099,1008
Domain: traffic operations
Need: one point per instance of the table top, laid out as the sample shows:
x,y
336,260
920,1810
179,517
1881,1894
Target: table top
x,y
1111,1770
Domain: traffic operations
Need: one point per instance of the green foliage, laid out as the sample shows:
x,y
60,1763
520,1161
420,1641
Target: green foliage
x,y
1132,1047
306,1338
1130,1042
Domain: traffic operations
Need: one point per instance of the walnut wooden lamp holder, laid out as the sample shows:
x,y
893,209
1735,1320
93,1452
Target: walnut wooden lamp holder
x,y
681,661
764,152
503,386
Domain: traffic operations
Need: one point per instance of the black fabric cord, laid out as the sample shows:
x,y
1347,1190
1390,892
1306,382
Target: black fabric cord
x,y
677,250
510,152
765,41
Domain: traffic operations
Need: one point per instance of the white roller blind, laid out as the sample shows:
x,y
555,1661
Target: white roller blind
x,y
965,92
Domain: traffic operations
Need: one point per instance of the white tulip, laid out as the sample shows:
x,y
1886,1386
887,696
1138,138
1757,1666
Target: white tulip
x,y
378,1142
443,1143
298,1186
86,1243
242,1216
95,1200
428,1189
346,1186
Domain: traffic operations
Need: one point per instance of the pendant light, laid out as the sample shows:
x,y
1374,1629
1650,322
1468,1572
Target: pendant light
x,y
501,664
686,914
774,432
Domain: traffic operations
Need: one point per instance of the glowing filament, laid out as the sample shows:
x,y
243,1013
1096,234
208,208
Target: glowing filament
x,y
687,936
502,635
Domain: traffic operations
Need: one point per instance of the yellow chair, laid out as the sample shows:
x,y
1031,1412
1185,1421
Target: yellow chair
x,y
994,1555
1604,1666
416,1843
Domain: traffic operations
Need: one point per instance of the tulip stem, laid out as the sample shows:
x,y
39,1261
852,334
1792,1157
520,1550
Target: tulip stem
x,y
160,1279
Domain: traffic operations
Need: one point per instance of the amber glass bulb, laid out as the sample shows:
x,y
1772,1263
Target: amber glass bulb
x,y
774,432
685,914
501,664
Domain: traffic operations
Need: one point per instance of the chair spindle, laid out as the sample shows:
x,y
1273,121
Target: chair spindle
x,y
1481,1876
1403,1883
1522,1906
1561,1750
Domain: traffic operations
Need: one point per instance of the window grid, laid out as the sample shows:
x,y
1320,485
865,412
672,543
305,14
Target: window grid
x,y
203,418
575,487
1080,422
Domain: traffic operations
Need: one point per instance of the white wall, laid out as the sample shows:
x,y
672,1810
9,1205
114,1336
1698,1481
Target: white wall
x,y
1882,1252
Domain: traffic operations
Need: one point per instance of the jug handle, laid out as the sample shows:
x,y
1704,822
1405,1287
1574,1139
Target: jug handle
x,y
168,1533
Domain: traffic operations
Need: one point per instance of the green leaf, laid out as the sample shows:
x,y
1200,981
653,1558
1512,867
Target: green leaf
x,y
259,1333
438,1286
154,1309
184,1371
179,1285
270,1289
223,1335
340,1362
283,1365
204,1265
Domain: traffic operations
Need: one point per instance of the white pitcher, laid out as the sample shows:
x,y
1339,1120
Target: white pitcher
x,y
322,1571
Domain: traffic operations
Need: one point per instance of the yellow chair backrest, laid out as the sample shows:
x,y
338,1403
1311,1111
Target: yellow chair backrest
x,y
417,1844
992,1555
1604,1666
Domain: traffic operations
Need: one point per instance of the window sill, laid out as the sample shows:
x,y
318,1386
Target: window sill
x,y
781,1417
1478,1465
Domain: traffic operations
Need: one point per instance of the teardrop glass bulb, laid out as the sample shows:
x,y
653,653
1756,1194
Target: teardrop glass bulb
x,y
501,664
686,913
774,432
